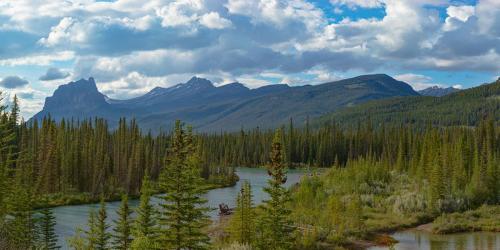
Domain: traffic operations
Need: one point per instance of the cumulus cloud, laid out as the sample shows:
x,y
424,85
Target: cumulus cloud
x,y
132,44
53,74
213,20
12,82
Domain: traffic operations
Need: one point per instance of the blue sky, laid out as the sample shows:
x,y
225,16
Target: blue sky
x,y
131,46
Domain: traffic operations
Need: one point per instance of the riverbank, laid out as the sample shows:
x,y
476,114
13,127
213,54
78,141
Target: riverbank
x,y
486,218
380,226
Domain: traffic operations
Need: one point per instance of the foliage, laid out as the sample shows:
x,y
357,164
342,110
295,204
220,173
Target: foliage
x,y
242,224
183,213
122,237
274,227
441,171
485,218
48,237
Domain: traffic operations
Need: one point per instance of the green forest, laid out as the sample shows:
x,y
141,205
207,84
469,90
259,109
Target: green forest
x,y
377,179
463,108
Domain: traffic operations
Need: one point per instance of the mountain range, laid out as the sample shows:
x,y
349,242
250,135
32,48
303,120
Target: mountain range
x,y
228,107
438,91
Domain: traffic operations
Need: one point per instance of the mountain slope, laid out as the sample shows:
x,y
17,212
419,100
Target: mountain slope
x,y
227,107
466,107
438,91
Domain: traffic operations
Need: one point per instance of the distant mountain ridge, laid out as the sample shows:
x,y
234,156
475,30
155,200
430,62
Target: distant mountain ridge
x,y
438,91
228,107
462,108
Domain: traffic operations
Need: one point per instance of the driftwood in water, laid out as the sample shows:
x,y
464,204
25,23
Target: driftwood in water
x,y
224,209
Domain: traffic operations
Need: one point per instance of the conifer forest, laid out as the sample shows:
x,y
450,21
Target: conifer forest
x,y
371,180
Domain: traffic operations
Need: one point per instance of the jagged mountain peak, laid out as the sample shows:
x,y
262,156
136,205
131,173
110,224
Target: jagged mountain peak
x,y
198,82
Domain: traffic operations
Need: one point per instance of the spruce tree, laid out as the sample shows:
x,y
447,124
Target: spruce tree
x,y
145,224
47,235
91,232
22,227
145,228
122,236
242,225
275,225
101,236
183,215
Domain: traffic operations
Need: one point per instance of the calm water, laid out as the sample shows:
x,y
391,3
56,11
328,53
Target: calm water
x,y
68,218
414,239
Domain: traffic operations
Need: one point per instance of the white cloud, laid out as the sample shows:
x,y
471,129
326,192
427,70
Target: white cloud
x,y
457,14
41,60
127,41
278,12
461,13
418,82
213,20
180,13
60,33
358,3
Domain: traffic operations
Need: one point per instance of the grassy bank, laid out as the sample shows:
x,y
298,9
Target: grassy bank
x,y
485,218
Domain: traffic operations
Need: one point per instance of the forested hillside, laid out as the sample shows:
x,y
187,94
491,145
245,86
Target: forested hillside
x,y
466,107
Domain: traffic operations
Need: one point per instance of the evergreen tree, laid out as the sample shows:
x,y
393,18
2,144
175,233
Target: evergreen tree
x,y
145,228
48,237
145,224
102,236
183,212
22,228
242,226
122,236
275,225
91,233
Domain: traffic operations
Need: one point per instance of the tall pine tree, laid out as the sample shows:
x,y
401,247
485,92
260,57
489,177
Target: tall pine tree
x,y
122,237
183,215
276,229
48,237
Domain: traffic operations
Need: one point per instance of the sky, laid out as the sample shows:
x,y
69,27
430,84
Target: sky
x,y
132,46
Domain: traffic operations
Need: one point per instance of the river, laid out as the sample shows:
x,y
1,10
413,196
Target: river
x,y
417,239
68,218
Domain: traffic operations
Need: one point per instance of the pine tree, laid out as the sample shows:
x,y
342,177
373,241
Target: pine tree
x,y
122,236
48,237
145,228
183,214
242,225
275,225
145,221
100,228
91,232
22,231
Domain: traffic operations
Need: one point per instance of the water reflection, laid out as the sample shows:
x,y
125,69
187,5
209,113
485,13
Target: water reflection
x,y
414,239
